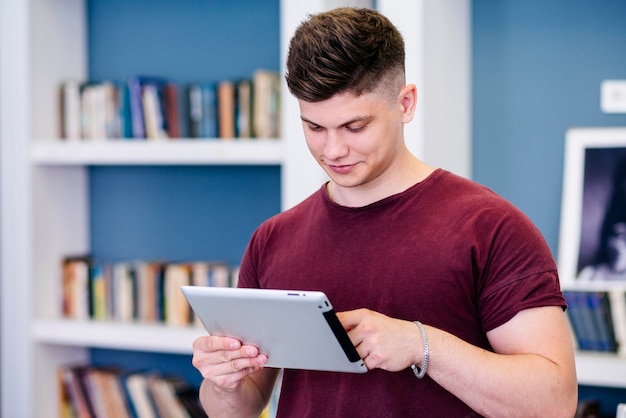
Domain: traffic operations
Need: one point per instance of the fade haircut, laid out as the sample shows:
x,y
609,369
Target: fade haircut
x,y
353,50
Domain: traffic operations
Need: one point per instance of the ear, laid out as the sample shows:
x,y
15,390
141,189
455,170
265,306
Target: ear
x,y
408,101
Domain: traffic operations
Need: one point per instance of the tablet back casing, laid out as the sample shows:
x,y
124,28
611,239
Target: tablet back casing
x,y
296,329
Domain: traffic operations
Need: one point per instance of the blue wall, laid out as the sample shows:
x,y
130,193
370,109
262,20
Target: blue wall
x,y
184,40
179,212
537,69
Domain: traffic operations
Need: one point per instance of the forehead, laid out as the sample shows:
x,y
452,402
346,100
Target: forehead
x,y
342,108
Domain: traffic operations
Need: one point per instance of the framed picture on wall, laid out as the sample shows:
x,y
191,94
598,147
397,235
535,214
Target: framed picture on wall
x,y
592,240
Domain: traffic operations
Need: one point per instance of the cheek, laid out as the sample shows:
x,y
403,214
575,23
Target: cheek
x,y
315,145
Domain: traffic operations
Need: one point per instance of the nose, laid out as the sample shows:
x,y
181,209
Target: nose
x,y
335,147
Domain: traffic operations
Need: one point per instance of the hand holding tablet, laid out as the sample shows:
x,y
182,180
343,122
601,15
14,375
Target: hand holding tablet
x,y
296,329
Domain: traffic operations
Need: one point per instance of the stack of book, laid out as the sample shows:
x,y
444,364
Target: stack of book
x,y
91,391
598,319
145,107
142,291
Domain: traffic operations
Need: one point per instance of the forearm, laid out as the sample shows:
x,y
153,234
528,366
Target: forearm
x,y
501,384
245,401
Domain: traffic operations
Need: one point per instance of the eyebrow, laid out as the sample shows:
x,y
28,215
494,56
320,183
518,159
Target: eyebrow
x,y
350,122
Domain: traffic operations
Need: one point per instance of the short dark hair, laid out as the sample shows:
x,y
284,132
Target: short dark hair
x,y
344,50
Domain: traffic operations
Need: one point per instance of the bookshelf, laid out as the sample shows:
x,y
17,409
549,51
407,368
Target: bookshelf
x,y
596,368
45,183
178,152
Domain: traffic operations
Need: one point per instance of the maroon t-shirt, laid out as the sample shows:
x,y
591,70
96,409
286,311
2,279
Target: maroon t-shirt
x,y
447,251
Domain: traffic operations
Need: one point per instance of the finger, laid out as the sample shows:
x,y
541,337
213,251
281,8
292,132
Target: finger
x,y
239,367
210,343
228,366
350,319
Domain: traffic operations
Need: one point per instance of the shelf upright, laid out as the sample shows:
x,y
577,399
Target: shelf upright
x,y
60,210
15,240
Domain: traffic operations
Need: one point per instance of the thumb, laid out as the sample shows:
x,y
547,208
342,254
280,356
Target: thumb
x,y
350,319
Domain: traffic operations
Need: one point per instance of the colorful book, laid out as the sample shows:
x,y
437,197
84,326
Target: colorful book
x,y
226,109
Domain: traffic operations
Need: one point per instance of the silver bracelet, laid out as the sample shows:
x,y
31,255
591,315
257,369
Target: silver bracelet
x,y
420,372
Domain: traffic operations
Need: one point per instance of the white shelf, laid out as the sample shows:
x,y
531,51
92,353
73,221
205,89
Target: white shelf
x,y
127,336
174,152
601,369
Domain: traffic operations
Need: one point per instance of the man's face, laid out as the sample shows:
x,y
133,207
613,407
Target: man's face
x,y
354,138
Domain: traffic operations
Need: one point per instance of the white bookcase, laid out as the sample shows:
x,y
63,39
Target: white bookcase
x,y
44,184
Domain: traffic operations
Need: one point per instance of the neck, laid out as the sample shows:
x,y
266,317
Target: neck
x,y
415,171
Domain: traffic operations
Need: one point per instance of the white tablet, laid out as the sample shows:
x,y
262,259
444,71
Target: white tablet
x,y
296,329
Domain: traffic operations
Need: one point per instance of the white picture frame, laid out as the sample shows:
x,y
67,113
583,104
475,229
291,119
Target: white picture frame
x,y
591,158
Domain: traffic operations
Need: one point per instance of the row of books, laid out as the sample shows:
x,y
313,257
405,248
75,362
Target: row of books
x,y
153,107
139,291
598,319
100,392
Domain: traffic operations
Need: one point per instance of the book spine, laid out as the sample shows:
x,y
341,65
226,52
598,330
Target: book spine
x,y
172,110
577,313
70,110
208,121
136,107
601,312
226,109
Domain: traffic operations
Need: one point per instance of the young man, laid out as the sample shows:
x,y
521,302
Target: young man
x,y
449,293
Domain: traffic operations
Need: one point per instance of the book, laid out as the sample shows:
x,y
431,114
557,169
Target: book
x,y
102,291
70,105
163,391
66,408
580,319
153,99
139,396
226,109
600,306
618,312
266,104
94,110
74,386
210,273
154,120
98,111
189,397
194,105
75,287
203,118
125,287
243,108
106,393
149,293
172,110
124,118
177,310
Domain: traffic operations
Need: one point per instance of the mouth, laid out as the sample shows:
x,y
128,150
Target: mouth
x,y
341,169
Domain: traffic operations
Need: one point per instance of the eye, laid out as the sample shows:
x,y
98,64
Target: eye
x,y
355,128
315,128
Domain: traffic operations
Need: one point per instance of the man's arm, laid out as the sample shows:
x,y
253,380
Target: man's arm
x,y
235,381
531,373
